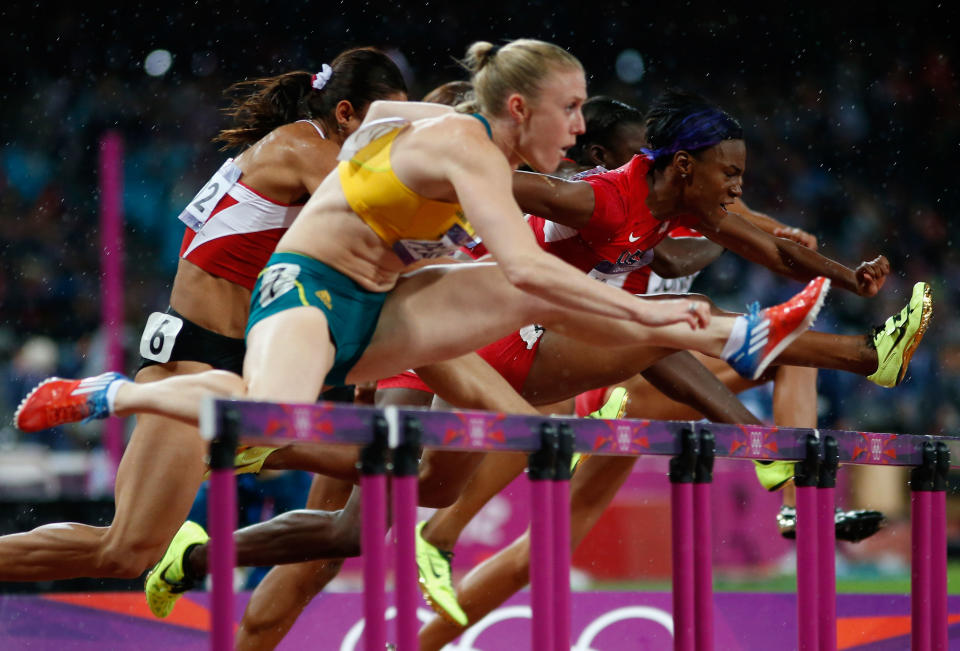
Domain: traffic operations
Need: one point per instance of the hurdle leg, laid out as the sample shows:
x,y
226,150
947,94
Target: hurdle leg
x,y
938,551
826,547
561,538
921,485
373,485
805,479
682,469
405,470
222,517
542,464
703,550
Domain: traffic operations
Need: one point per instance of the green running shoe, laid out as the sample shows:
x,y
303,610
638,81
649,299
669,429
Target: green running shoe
x,y
167,580
899,337
614,407
773,474
248,460
436,582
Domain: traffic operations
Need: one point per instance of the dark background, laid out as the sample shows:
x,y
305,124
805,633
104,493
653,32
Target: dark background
x,y
851,110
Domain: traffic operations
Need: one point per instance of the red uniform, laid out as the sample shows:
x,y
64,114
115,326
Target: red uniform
x,y
616,247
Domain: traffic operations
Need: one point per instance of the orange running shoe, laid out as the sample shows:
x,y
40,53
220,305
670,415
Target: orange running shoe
x,y
770,330
56,401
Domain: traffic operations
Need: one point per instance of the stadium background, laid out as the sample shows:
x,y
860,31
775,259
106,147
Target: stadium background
x,y
851,113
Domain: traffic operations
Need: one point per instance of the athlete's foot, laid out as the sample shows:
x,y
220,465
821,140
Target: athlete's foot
x,y
850,526
761,335
436,581
774,474
899,336
248,460
612,409
56,401
168,580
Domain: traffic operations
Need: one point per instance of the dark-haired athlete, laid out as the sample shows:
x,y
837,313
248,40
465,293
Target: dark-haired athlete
x,y
289,129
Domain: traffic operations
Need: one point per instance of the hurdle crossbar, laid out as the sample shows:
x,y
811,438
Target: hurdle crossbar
x,y
692,446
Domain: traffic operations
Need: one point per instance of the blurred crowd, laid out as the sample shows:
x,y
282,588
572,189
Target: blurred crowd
x,y
851,121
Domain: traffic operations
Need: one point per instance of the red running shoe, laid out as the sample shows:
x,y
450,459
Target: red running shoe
x,y
771,330
56,401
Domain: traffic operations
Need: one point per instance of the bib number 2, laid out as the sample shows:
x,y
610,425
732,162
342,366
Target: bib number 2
x,y
159,336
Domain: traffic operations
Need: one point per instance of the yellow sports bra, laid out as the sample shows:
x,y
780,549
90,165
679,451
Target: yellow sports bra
x,y
415,227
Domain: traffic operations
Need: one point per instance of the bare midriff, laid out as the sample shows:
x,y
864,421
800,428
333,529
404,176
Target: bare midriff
x,y
211,302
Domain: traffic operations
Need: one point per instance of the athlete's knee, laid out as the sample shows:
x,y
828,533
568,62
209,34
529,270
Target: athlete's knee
x,y
224,383
347,528
124,558
517,561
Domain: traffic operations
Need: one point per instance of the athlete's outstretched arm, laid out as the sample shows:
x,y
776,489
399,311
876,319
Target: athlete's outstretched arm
x,y
481,178
773,226
790,259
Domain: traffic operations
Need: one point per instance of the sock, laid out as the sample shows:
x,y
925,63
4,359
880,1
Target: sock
x,y
112,389
738,334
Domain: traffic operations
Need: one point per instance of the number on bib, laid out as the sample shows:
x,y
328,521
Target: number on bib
x,y
200,208
277,279
159,336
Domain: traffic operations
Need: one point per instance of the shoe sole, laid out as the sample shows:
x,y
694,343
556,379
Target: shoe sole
x,y
447,617
808,320
925,315
23,403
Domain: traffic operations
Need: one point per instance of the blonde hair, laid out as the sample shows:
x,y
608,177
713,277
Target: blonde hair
x,y
520,66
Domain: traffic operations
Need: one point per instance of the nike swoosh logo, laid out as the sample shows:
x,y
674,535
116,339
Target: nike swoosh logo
x,y
901,330
632,238
433,569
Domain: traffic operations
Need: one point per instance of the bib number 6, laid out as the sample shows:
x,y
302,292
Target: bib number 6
x,y
159,336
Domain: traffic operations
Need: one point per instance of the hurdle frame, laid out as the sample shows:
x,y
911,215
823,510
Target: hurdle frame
x,y
228,422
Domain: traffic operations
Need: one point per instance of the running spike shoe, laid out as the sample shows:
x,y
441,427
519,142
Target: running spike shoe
x,y
612,409
899,336
436,582
248,460
56,401
167,581
771,330
850,526
773,474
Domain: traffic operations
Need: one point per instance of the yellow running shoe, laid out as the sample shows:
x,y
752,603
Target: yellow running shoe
x,y
167,580
899,337
248,460
436,583
614,407
773,474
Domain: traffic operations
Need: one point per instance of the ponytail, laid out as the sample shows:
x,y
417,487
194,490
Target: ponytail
x,y
259,106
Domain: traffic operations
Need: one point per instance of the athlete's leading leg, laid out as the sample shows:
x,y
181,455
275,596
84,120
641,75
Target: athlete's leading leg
x,y
157,481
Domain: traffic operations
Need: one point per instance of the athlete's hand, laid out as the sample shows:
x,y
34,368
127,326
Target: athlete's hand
x,y
797,235
871,275
681,310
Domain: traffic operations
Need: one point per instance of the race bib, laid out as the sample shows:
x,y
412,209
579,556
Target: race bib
x,y
277,279
200,208
412,250
159,336
658,285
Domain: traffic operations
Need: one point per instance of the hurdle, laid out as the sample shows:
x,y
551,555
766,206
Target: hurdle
x,y
550,443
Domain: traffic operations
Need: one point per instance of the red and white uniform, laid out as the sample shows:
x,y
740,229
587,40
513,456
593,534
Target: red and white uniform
x,y
232,229
618,240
